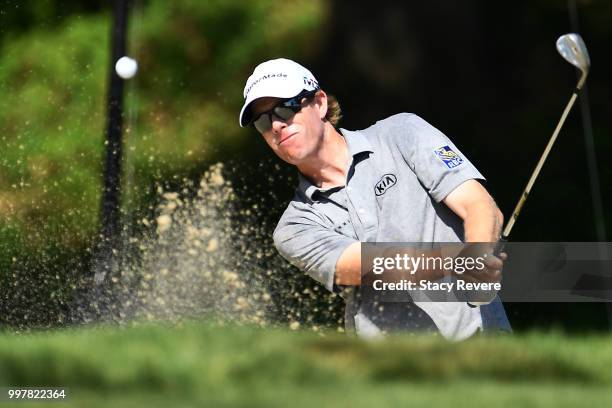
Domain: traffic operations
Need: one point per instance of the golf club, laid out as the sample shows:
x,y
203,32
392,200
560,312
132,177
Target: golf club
x,y
572,48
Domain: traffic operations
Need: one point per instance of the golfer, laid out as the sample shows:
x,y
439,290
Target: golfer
x,y
399,180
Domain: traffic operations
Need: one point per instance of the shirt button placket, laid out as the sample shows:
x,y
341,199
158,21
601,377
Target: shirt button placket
x,y
355,218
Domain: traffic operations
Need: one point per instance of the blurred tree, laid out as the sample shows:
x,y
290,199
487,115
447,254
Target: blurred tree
x,y
181,110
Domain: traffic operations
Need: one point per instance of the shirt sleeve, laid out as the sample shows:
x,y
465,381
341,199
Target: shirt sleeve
x,y
303,239
437,162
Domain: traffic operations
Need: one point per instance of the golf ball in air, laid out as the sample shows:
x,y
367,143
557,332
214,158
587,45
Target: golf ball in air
x,y
126,67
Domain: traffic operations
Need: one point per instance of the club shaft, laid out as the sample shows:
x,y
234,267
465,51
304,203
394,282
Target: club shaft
x,y
536,172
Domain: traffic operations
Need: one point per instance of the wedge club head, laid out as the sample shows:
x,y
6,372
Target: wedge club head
x,y
572,48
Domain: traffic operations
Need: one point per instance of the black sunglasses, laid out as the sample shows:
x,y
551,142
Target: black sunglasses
x,y
284,110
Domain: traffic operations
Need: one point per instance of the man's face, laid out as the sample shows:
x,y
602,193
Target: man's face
x,y
297,139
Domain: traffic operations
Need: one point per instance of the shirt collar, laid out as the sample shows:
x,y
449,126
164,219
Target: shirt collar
x,y
356,143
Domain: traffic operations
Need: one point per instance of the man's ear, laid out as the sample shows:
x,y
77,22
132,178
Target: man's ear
x,y
321,103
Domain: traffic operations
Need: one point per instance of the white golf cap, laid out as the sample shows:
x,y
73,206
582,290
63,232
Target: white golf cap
x,y
278,78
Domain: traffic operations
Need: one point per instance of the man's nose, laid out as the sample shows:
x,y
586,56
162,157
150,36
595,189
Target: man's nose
x,y
277,123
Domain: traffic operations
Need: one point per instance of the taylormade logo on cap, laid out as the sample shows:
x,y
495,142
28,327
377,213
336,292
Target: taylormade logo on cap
x,y
278,78
255,82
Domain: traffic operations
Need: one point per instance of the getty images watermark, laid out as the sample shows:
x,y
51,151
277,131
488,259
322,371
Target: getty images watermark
x,y
405,263
456,272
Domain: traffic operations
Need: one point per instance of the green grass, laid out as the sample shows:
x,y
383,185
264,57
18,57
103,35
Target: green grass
x,y
199,364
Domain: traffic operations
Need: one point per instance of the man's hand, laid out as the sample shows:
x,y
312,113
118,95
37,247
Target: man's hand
x,y
490,272
493,265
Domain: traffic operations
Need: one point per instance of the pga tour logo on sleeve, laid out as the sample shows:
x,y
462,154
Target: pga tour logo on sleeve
x,y
450,158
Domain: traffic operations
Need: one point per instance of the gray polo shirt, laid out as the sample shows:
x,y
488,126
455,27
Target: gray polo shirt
x,y
401,170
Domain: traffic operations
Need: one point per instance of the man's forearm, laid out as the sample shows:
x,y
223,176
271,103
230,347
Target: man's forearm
x,y
483,222
348,267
